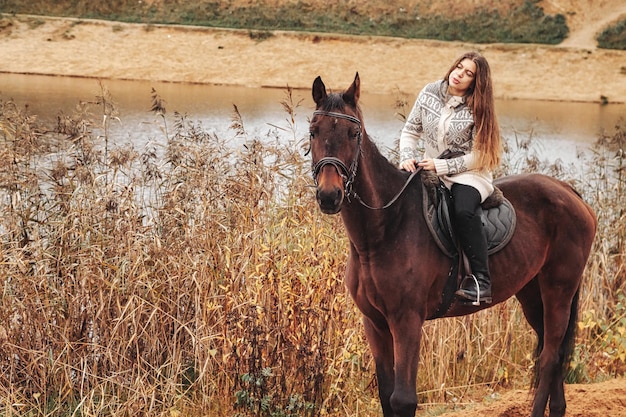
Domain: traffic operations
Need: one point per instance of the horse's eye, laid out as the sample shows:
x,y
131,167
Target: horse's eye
x,y
312,135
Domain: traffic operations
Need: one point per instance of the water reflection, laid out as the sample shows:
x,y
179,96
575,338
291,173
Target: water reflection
x,y
561,129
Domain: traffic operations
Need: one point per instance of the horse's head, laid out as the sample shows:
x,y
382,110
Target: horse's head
x,y
336,135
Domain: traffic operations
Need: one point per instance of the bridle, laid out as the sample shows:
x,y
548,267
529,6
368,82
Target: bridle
x,y
349,174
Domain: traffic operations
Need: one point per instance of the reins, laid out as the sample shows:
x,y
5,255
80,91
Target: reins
x,y
393,200
349,174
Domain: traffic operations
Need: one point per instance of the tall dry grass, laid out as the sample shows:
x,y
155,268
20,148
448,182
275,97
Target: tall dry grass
x,y
195,278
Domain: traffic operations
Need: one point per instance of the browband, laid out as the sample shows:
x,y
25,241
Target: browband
x,y
338,115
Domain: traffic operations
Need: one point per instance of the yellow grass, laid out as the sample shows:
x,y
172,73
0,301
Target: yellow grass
x,y
174,282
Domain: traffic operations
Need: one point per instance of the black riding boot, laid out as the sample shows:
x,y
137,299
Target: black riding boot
x,y
477,286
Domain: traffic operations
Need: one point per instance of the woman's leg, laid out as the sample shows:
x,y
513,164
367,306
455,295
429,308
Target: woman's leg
x,y
469,227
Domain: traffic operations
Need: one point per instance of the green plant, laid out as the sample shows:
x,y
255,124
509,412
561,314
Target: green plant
x,y
254,399
613,37
260,35
525,24
606,340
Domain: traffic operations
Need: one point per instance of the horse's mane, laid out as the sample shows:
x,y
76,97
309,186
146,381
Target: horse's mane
x,y
333,102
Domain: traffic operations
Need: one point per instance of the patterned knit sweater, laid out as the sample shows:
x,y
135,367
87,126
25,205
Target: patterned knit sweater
x,y
425,128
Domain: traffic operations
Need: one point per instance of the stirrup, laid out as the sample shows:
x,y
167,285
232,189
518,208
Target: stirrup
x,y
475,302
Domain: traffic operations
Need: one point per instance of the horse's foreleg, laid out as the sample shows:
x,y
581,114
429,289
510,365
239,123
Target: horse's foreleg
x,y
407,332
381,346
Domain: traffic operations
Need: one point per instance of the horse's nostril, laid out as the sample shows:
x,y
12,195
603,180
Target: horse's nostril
x,y
338,196
330,201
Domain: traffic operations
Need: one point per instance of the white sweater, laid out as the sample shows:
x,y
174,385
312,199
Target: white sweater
x,y
438,122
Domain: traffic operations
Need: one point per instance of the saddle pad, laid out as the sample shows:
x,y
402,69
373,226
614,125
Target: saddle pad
x,y
499,222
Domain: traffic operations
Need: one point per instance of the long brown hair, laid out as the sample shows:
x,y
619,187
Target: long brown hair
x,y
479,98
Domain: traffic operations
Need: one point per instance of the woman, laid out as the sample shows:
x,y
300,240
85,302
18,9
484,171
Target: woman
x,y
457,114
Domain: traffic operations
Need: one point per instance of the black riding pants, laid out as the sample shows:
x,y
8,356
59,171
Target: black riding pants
x,y
469,227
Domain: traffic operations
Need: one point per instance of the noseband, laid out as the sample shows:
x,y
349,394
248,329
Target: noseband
x,y
348,174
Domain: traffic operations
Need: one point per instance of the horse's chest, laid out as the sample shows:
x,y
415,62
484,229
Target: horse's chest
x,y
372,285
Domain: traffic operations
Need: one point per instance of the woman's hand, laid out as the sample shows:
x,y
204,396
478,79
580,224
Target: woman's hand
x,y
427,164
408,165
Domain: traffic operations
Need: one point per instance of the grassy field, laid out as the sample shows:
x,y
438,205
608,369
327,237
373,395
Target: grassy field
x,y
170,281
479,21
482,22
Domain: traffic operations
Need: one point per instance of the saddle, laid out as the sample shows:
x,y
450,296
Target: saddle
x,y
498,218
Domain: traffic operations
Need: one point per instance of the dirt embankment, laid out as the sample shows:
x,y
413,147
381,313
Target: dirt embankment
x,y
583,400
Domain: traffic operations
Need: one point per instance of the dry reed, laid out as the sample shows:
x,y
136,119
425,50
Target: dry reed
x,y
199,279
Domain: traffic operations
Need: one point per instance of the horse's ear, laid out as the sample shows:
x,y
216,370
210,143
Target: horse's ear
x,y
319,91
353,93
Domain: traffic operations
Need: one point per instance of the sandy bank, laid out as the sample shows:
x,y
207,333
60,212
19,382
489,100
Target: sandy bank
x,y
110,50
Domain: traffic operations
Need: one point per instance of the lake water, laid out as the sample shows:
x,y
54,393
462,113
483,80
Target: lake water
x,y
560,130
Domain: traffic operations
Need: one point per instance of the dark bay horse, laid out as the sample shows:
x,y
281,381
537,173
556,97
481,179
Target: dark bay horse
x,y
396,273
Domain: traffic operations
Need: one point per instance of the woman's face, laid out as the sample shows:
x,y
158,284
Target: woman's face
x,y
462,77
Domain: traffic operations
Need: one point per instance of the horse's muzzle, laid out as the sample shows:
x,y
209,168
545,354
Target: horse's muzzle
x,y
329,200
330,174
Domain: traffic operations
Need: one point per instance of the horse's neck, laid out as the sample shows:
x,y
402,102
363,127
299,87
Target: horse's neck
x,y
377,183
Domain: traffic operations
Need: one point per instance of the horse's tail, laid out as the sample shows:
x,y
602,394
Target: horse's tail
x,y
567,346
587,206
